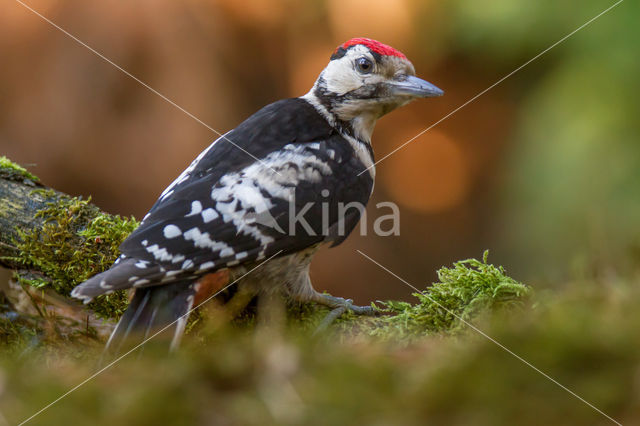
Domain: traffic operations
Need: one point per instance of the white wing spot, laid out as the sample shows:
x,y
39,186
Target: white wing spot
x,y
206,265
171,231
160,253
203,240
209,214
142,264
196,208
226,252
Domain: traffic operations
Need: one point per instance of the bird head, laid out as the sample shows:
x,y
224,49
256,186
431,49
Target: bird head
x,y
364,80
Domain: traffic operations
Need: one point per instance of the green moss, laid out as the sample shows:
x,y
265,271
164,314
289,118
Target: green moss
x,y
11,170
585,337
15,335
469,289
75,242
16,330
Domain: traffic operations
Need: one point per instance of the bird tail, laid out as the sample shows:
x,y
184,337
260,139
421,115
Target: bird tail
x,y
153,310
162,311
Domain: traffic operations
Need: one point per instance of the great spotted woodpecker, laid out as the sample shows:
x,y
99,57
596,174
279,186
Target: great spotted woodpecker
x,y
232,207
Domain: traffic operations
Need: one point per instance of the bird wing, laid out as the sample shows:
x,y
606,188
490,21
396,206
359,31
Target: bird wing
x,y
275,205
228,208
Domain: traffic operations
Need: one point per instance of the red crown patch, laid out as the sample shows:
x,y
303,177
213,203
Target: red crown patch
x,y
375,46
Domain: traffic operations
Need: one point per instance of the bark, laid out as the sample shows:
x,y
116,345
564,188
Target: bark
x,y
20,201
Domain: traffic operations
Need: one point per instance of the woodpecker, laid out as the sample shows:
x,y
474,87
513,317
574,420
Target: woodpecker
x,y
231,209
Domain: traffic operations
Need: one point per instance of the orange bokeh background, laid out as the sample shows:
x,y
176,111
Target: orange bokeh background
x,y
88,129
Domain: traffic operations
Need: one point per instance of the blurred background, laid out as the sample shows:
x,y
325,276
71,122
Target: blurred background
x,y
543,170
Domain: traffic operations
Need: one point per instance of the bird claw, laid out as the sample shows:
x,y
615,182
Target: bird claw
x,y
329,319
339,306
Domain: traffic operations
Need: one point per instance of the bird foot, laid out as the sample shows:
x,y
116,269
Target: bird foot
x,y
338,307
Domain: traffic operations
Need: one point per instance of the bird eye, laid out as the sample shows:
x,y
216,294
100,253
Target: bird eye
x,y
364,65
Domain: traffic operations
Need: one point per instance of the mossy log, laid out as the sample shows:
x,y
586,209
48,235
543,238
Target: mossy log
x,y
21,198
57,241
54,242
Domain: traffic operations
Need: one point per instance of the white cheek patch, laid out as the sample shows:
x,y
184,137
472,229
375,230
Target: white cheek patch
x,y
340,75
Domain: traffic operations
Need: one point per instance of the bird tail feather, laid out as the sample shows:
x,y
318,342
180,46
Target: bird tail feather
x,y
159,310
163,310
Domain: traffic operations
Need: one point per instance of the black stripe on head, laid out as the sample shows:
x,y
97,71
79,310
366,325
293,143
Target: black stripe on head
x,y
339,53
376,56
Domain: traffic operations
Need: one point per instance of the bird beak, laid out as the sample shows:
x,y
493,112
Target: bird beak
x,y
413,86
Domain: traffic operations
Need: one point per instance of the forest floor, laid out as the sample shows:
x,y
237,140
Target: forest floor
x,y
418,365
476,347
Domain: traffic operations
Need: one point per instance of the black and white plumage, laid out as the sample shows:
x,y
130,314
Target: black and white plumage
x,y
302,155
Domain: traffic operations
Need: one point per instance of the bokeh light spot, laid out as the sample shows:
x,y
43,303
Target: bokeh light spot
x,y
429,175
